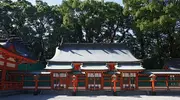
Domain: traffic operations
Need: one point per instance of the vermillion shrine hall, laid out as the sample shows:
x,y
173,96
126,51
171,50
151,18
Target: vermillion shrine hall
x,y
83,67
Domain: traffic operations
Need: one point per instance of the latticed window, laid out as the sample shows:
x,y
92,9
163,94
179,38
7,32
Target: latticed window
x,y
94,81
129,80
60,80
59,75
174,80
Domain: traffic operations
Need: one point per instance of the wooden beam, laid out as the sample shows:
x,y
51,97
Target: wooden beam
x,y
130,70
96,71
59,70
11,54
5,60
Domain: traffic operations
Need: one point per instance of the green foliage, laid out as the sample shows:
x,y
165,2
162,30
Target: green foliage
x,y
36,24
94,21
150,28
157,22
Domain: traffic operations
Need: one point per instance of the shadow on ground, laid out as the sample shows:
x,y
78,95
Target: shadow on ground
x,y
51,95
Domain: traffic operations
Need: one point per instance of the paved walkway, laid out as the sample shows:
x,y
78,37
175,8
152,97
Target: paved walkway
x,y
103,97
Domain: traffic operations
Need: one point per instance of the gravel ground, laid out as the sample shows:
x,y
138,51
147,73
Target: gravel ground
x,y
64,97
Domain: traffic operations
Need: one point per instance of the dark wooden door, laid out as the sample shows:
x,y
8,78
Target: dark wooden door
x,y
129,81
60,80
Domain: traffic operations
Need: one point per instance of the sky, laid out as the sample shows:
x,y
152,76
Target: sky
x,y
56,2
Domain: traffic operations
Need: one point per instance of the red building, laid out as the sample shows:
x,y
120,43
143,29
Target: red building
x,y
93,65
83,66
10,58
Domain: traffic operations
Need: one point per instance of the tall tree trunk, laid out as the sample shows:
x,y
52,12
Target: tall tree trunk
x,y
159,51
171,41
171,45
142,46
123,35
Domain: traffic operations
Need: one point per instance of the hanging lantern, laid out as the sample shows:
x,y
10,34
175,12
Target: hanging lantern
x,y
74,77
153,77
36,77
114,77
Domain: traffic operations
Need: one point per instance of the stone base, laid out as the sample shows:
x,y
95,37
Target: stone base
x,y
153,93
114,93
35,92
73,93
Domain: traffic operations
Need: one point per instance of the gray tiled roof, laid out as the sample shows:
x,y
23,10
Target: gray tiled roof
x,y
173,64
161,71
129,67
93,53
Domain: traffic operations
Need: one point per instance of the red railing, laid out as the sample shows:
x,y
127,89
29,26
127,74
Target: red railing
x,y
11,86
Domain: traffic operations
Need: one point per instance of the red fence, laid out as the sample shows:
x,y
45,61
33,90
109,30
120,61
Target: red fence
x,y
11,86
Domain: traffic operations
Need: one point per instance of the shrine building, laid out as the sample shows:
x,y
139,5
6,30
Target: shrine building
x,y
93,65
83,67
12,53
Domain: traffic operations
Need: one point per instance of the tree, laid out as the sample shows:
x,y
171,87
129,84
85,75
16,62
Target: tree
x,y
94,21
35,24
156,21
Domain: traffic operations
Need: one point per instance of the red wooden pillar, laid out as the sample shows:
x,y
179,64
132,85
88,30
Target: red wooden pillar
x,y
61,81
102,80
10,77
137,81
67,79
3,78
153,77
22,80
114,80
75,82
52,80
121,80
114,86
36,82
86,80
153,86
129,82
167,84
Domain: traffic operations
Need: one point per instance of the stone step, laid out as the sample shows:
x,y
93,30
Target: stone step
x,y
102,92
89,93
130,93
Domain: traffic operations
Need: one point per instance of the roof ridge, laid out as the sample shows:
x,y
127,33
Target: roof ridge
x,y
96,45
92,43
